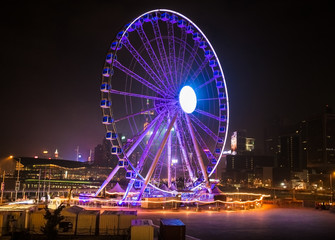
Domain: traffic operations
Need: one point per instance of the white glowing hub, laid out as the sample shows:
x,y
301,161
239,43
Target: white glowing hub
x,y
187,99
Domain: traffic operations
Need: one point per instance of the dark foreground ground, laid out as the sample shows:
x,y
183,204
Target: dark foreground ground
x,y
266,223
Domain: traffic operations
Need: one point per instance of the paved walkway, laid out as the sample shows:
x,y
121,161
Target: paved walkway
x,y
266,223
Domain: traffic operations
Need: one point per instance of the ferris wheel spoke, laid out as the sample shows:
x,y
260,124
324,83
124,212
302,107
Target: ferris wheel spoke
x,y
183,151
146,83
158,169
199,69
209,154
144,65
181,54
208,99
151,52
191,59
205,83
189,144
205,148
142,134
207,114
172,52
204,127
162,52
138,95
148,145
197,151
157,156
135,114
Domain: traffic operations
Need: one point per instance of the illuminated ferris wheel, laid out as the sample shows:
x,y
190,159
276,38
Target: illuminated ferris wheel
x,y
164,89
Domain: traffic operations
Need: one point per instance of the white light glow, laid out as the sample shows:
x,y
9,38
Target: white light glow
x,y
187,99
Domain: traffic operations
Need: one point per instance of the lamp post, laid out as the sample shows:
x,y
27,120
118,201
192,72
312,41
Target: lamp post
x,y
17,183
3,177
2,185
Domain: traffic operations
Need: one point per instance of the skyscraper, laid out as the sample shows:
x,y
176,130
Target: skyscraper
x,y
318,141
289,155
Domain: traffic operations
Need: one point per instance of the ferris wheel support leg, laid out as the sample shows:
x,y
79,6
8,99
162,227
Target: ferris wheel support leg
x,y
145,153
111,175
130,185
148,145
198,153
158,154
169,158
144,133
184,153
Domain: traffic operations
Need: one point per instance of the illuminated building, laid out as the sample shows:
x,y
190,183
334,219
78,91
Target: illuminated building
x,y
241,144
249,144
103,156
289,155
244,168
318,141
238,142
41,177
233,143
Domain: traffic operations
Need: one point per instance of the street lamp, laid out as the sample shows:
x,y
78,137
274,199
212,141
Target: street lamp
x,y
2,185
3,177
174,162
17,183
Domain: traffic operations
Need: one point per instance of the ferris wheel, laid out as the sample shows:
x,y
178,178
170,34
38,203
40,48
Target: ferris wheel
x,y
163,88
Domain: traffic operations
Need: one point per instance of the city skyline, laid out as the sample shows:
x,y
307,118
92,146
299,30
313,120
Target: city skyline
x,y
277,60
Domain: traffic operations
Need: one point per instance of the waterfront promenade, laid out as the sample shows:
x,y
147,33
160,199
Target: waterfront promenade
x,y
268,222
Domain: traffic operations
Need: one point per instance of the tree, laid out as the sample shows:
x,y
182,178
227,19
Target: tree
x,y
53,219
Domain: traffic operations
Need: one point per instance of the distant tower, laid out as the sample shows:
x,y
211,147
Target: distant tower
x,y
147,113
146,116
77,153
90,156
56,154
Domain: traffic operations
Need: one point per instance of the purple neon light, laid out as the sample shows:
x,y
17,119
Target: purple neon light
x,y
204,127
138,78
207,114
205,83
200,69
186,138
191,59
151,52
162,51
181,54
172,57
145,65
138,95
202,142
171,67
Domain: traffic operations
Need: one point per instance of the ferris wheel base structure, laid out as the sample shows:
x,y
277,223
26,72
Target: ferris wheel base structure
x,y
163,86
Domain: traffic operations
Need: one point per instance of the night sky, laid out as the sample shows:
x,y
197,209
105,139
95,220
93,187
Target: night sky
x,y
278,59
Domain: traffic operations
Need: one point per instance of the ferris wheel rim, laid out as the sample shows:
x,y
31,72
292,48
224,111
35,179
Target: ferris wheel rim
x,y
216,58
